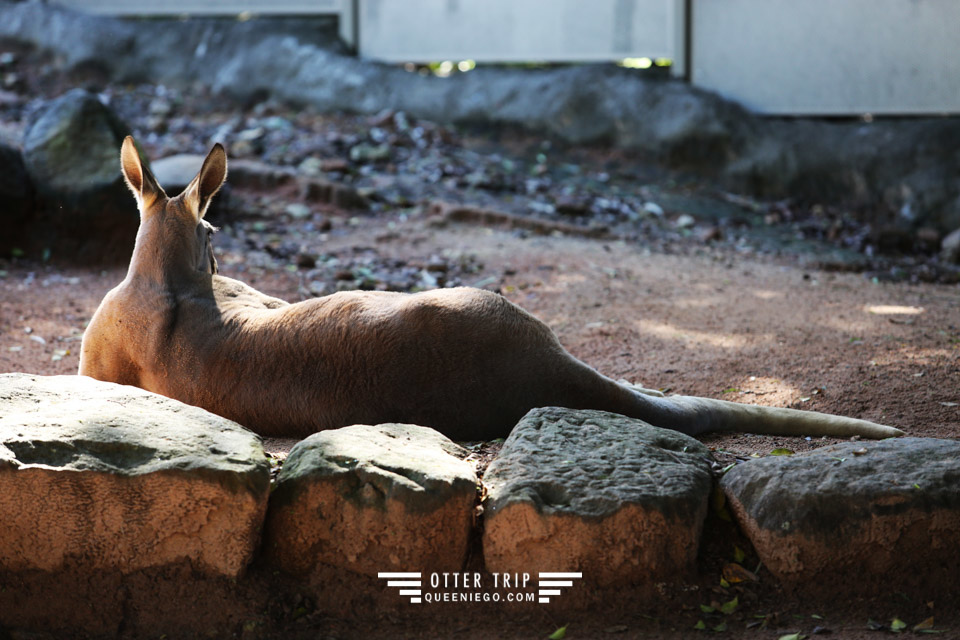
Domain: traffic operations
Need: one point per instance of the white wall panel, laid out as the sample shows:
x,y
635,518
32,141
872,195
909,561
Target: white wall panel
x,y
205,7
520,30
830,56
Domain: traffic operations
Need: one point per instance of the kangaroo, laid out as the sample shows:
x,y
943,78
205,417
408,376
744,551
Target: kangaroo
x,y
464,361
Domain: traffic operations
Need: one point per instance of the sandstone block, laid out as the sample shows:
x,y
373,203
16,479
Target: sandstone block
x,y
615,498
100,476
865,509
372,499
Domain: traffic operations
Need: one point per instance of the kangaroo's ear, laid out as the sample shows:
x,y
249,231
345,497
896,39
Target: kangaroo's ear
x,y
137,176
212,175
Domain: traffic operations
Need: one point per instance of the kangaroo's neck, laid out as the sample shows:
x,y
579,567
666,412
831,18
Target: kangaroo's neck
x,y
164,256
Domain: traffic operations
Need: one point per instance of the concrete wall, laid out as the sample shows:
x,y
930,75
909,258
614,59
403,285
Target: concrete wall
x,y
830,57
204,7
520,30
818,57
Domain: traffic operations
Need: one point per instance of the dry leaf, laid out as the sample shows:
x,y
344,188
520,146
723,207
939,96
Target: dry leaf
x,y
734,573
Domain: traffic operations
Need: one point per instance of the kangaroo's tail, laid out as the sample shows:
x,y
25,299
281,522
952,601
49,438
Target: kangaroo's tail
x,y
692,415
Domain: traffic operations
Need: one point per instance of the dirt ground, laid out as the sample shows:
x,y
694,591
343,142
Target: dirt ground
x,y
707,322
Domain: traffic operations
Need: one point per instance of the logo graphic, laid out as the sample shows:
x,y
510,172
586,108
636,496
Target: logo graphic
x,y
548,583
478,587
409,583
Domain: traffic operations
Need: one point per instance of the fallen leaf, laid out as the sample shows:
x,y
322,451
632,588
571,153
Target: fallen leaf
x,y
559,634
793,636
720,627
780,451
617,628
738,554
897,625
700,626
707,608
734,573
719,502
729,607
923,626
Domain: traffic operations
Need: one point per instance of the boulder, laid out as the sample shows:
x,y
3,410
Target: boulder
x,y
372,499
175,172
72,153
594,492
887,511
16,198
96,476
950,247
79,38
73,145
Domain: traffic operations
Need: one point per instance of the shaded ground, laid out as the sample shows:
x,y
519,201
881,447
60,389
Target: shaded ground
x,y
739,300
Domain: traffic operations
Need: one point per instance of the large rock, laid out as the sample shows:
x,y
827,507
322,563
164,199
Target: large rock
x,y
888,509
73,146
97,476
370,499
72,154
16,198
175,172
950,247
79,39
589,491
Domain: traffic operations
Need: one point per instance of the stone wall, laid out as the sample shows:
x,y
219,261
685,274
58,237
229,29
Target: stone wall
x,y
134,509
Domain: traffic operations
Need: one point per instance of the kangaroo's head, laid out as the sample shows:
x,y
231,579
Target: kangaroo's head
x,y
173,236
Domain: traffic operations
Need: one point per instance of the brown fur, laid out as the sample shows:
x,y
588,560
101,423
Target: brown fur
x,y
464,361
